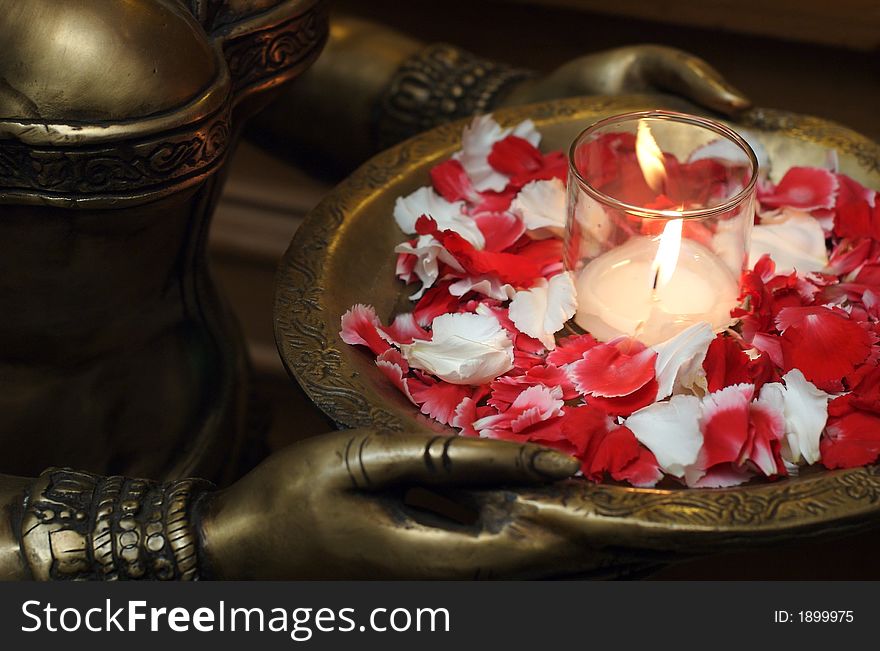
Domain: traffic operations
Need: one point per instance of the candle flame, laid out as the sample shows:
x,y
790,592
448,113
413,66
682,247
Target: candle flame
x,y
650,158
667,253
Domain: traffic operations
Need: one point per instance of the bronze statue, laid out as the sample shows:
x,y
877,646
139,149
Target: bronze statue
x,y
119,358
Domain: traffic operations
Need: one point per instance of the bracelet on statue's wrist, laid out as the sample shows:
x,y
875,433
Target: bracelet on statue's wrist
x,y
439,84
80,526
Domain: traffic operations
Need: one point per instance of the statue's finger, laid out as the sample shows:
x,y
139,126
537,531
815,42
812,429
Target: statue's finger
x,y
676,71
373,460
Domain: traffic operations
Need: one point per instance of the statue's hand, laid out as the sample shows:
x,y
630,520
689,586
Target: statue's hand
x,y
636,69
333,506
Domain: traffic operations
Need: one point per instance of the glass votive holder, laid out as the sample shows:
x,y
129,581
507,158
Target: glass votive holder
x,y
660,212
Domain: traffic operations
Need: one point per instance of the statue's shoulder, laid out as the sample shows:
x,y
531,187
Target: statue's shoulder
x,y
102,60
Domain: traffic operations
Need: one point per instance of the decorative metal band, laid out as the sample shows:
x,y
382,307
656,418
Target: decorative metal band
x,y
690,521
439,84
267,56
123,169
78,526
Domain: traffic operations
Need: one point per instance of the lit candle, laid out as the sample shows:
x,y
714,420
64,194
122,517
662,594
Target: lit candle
x,y
652,288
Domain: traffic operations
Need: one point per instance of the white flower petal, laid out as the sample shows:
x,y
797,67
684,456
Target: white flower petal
x,y
541,206
429,252
806,412
793,238
449,216
541,311
464,349
486,285
671,430
679,364
476,145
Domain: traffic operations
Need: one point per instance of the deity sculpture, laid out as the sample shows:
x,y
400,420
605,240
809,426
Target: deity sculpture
x,y
119,358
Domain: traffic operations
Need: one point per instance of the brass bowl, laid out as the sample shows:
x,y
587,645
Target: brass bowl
x,y
342,255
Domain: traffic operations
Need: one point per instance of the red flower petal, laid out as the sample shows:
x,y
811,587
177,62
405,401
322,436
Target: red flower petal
x,y
610,454
851,440
823,343
726,363
435,301
501,230
725,425
854,217
577,427
507,388
626,405
571,349
404,329
360,327
452,183
618,368
523,162
807,188
764,447
440,400
394,366
507,267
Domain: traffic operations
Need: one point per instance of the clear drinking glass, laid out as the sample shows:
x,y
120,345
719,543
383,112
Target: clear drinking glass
x,y
660,211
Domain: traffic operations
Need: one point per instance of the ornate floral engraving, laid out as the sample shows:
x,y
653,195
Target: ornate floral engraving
x,y
276,52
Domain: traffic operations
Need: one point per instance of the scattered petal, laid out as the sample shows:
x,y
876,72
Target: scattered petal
x,y
361,327
617,368
795,240
807,188
679,363
541,207
448,216
541,311
464,349
671,431
824,344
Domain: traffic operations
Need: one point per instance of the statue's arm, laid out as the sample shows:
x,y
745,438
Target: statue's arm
x,y
70,525
372,87
327,507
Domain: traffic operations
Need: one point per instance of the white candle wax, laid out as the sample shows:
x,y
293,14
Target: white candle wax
x,y
616,294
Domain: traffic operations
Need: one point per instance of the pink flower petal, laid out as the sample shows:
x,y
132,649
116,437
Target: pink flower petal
x,y
360,327
394,367
807,188
571,349
404,330
440,400
725,425
501,230
617,368
507,388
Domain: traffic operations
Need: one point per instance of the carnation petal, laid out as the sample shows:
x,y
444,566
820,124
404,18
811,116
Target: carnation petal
x,y
448,216
541,311
464,349
794,240
541,207
806,413
671,431
725,425
361,327
679,363
617,368
824,344
807,188
439,400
